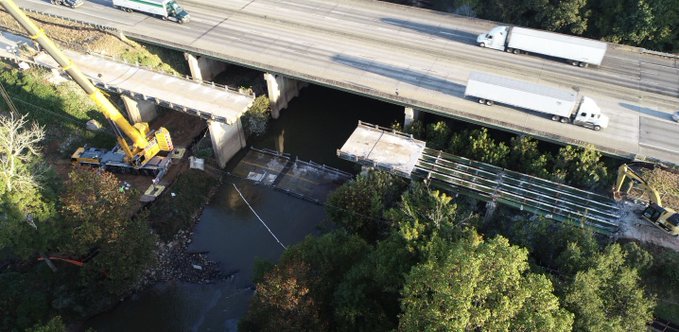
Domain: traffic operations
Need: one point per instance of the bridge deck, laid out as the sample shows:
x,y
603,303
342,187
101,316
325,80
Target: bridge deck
x,y
484,181
207,101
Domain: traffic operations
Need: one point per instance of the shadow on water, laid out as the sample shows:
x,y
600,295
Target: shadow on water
x,y
647,111
451,34
313,126
416,78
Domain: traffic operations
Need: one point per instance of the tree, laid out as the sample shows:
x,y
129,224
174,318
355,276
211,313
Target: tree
x,y
478,145
359,204
525,157
299,291
438,135
56,324
95,208
580,167
23,300
98,217
256,119
416,129
569,16
476,285
423,215
283,301
26,203
608,296
19,150
368,297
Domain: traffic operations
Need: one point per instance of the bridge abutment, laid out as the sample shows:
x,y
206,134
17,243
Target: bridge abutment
x,y
281,90
203,68
227,140
410,115
139,110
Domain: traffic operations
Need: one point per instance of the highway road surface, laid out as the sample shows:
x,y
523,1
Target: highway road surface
x,y
414,57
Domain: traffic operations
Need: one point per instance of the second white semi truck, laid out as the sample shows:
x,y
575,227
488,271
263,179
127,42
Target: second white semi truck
x,y
563,105
578,51
165,9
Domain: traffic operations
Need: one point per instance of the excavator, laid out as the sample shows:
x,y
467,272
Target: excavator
x,y
663,217
142,154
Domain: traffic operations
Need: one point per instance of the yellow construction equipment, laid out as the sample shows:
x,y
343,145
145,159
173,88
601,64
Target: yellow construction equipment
x,y
139,157
665,218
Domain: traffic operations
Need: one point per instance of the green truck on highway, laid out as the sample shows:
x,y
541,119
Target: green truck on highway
x,y
165,9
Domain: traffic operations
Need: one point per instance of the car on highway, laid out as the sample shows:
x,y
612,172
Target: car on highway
x,y
68,3
675,116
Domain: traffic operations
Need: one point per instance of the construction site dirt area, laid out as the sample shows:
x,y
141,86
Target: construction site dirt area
x,y
184,130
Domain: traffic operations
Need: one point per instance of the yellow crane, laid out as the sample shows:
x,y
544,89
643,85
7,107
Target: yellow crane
x,y
138,156
665,218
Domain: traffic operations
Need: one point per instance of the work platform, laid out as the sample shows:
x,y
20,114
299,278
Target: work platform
x,y
399,153
284,172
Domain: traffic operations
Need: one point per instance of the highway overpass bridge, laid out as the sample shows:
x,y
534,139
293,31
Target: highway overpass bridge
x,y
141,89
416,58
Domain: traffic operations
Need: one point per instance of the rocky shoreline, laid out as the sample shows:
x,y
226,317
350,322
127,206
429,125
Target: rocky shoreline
x,y
174,262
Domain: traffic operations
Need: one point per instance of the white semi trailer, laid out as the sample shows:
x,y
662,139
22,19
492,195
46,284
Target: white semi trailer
x,y
165,9
578,51
563,105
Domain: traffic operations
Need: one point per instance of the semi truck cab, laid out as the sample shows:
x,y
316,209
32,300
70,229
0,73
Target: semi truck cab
x,y
495,38
589,115
176,11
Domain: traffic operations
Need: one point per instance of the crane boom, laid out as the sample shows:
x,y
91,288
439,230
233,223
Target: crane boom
x,y
144,147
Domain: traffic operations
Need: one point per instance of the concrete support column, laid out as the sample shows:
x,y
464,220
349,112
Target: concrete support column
x,y
139,110
411,115
281,90
203,68
227,140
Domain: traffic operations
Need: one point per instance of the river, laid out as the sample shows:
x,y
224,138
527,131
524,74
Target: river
x,y
313,126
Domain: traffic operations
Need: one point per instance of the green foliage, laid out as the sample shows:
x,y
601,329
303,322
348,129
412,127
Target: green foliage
x,y
27,199
478,145
645,23
581,167
367,299
666,268
256,119
56,324
608,296
62,109
423,215
169,213
359,204
525,157
417,129
97,215
638,258
476,285
560,247
22,301
297,294
159,58
437,135
94,209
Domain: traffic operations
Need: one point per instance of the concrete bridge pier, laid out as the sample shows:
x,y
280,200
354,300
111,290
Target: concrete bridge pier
x,y
139,110
281,90
227,140
411,115
203,68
